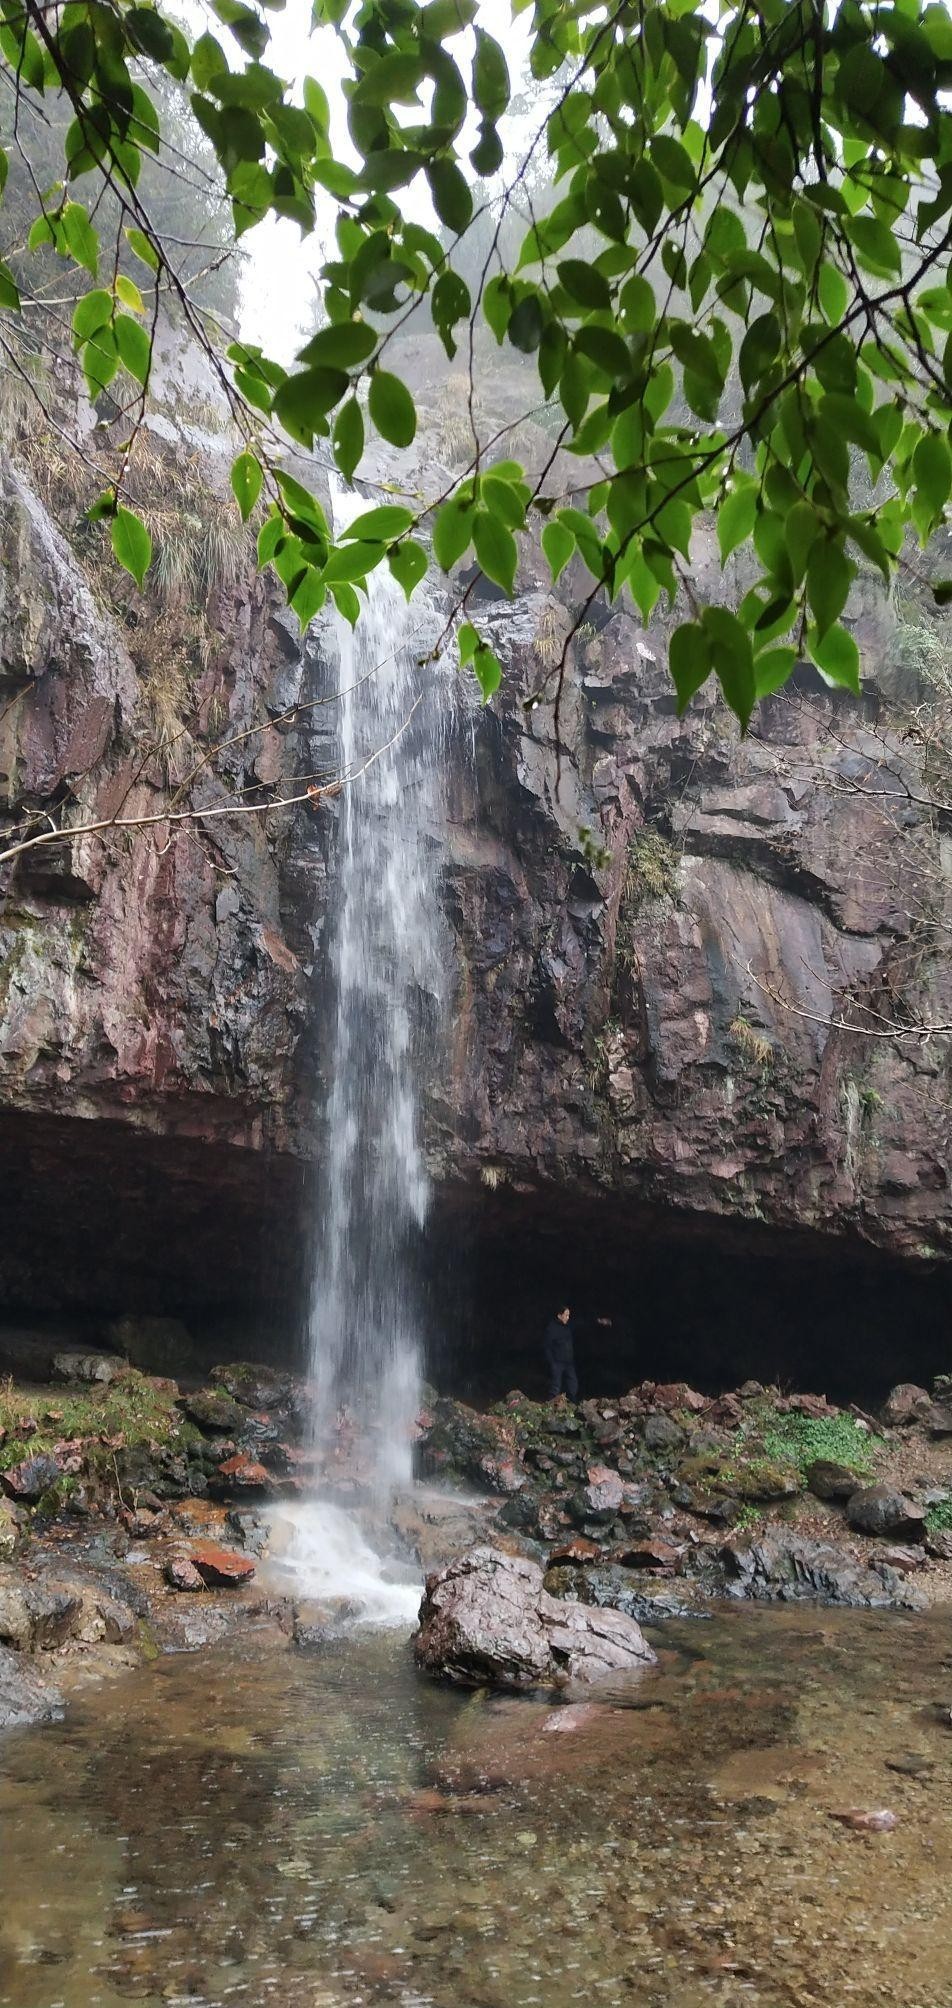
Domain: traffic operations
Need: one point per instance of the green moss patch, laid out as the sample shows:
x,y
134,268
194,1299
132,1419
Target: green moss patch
x,y
132,1409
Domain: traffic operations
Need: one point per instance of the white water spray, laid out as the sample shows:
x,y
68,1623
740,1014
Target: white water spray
x,y
387,978
386,969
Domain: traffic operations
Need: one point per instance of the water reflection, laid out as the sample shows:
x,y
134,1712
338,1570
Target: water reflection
x,y
289,1829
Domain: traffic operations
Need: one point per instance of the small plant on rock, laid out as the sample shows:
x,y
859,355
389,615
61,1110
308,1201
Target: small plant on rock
x,y
805,1439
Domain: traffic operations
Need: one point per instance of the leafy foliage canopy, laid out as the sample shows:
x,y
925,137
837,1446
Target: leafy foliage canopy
x,y
735,291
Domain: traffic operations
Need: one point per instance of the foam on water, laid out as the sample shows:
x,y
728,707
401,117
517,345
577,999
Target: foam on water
x,y
327,1557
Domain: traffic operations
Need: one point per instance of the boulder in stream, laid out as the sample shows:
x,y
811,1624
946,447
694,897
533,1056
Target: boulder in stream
x,y
487,1620
26,1697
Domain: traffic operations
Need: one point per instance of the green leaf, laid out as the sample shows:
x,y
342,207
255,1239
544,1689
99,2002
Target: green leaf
x,y
689,661
585,284
527,323
467,642
673,161
343,346
149,33
451,194
347,601
139,243
348,437
303,401
269,537
496,550
352,561
830,573
80,237
490,77
392,409
409,564
558,544
735,518
134,345
9,295
452,531
393,79
380,525
932,467
876,245
772,669
487,671
246,483
833,293
732,660
308,597
837,655
131,543
91,312
128,292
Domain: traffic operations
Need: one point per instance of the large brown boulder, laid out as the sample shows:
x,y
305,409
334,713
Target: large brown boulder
x,y
486,1620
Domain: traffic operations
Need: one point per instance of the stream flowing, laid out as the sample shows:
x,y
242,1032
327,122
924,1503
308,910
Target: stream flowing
x,y
253,1827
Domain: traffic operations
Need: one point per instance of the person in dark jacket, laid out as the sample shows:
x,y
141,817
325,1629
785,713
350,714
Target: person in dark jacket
x,y
559,1352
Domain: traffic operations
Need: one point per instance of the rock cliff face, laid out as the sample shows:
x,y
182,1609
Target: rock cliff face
x,y
155,1043
662,1022
654,928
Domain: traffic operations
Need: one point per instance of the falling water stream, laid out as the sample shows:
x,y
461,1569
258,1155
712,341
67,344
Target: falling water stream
x,y
387,982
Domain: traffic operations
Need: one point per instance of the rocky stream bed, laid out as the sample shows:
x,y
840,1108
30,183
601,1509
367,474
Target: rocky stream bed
x,y
140,1516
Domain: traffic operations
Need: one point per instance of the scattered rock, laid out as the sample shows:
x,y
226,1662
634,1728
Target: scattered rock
x,y
663,1433
96,1369
220,1566
181,1574
789,1568
213,1408
35,1616
604,1494
256,1386
579,1549
939,1544
905,1404
938,1419
911,1765
828,1480
154,1345
249,1530
29,1480
879,1509
243,1474
486,1619
312,1623
26,1696
611,1587
647,1554
9,1530
875,1820
907,1561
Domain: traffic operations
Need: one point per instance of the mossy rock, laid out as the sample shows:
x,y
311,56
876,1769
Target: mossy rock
x,y
745,1478
213,1408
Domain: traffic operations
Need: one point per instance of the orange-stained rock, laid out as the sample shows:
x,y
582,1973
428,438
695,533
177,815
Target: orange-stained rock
x,y
245,1472
220,1566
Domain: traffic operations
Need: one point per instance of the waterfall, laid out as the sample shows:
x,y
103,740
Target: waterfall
x,y
386,971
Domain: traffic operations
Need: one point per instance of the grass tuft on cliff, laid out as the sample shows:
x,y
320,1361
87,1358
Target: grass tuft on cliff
x,y
130,1410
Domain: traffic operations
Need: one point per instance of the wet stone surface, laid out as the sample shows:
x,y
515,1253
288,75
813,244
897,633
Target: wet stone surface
x,y
769,1822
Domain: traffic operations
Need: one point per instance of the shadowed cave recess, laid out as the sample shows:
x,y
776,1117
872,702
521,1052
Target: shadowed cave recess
x,y
219,1237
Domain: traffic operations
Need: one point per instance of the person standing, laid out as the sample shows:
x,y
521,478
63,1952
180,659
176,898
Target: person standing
x,y
559,1353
